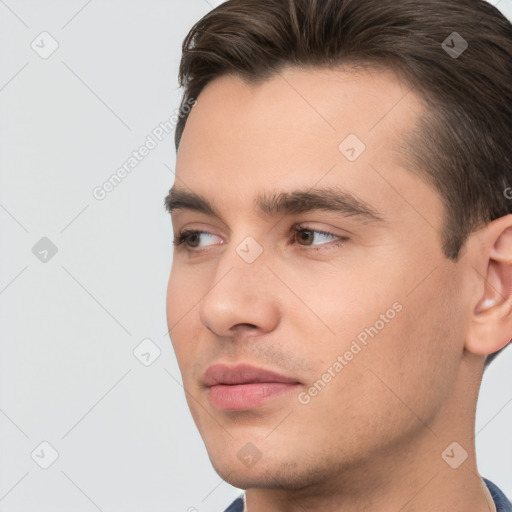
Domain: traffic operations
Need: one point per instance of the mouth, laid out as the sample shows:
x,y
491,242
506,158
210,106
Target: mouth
x,y
244,387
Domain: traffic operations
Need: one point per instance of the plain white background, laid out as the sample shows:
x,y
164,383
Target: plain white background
x,y
68,374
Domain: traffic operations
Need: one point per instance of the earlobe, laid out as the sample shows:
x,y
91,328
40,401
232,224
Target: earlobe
x,y
491,326
491,322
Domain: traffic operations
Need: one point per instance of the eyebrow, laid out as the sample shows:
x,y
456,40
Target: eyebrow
x,y
296,201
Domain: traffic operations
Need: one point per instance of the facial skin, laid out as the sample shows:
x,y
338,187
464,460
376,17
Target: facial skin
x,y
372,438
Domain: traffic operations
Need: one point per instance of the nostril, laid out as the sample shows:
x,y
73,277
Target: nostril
x,y
243,327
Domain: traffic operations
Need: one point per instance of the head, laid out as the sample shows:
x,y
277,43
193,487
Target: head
x,y
403,289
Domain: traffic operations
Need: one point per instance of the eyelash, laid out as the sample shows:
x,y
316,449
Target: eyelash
x,y
184,234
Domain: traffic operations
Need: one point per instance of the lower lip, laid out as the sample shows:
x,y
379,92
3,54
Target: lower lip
x,y
236,397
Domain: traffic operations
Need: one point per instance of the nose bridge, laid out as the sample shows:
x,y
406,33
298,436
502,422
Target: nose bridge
x,y
245,263
240,291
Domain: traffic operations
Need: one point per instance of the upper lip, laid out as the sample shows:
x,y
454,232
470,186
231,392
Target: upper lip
x,y
242,374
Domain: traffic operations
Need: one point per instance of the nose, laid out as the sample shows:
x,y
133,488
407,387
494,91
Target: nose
x,y
242,297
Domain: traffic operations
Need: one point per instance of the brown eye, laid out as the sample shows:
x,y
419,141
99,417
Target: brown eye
x,y
192,239
305,236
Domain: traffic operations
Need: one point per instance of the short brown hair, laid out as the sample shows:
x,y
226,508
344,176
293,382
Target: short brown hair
x,y
462,142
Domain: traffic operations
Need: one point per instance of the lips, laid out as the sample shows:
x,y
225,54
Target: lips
x,y
243,387
242,374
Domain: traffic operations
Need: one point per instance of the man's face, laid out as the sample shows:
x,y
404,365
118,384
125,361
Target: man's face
x,y
367,322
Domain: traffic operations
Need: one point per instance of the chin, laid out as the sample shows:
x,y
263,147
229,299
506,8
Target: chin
x,y
268,474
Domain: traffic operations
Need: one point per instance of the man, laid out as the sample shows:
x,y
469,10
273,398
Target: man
x,y
342,270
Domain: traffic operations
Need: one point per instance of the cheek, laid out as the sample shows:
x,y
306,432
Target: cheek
x,y
181,307
398,376
340,303
392,341
185,288
415,358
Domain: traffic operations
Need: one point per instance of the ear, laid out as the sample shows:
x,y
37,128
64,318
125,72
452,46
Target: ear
x,y
491,319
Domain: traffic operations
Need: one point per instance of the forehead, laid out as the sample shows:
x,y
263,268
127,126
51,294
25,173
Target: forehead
x,y
300,128
330,100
